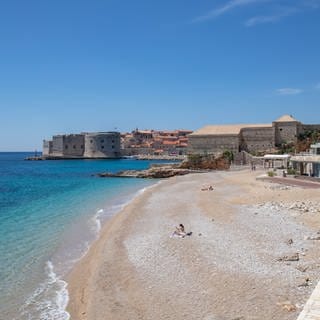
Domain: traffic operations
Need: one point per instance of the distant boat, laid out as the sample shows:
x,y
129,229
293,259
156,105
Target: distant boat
x,y
130,157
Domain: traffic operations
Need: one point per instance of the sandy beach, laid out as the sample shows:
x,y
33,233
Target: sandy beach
x,y
248,257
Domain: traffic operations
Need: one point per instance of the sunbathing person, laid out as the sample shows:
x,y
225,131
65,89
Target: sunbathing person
x,y
210,188
179,232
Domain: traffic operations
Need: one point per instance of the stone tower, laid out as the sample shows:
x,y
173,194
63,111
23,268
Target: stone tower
x,y
102,145
286,129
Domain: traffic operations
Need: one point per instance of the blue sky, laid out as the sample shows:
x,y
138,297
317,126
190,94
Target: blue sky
x,y
70,66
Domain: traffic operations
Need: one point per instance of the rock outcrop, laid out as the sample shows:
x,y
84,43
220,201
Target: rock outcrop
x,y
152,173
206,162
195,163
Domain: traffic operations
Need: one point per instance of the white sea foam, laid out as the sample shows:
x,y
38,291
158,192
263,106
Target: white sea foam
x,y
49,300
96,221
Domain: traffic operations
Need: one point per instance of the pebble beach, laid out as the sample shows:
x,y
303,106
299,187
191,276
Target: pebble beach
x,y
252,253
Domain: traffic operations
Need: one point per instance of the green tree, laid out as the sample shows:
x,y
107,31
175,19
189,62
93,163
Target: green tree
x,y
227,154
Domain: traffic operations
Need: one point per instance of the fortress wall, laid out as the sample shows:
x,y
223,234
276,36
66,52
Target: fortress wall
x,y
306,127
57,145
201,144
257,139
135,151
251,139
102,145
73,145
286,132
46,147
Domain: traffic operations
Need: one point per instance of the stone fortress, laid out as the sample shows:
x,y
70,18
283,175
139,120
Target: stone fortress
x,y
213,139
251,138
97,145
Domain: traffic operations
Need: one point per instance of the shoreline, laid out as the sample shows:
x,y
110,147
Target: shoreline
x,y
134,266
95,248
50,294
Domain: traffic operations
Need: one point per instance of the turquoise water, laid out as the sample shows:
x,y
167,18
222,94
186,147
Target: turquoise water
x,y
50,212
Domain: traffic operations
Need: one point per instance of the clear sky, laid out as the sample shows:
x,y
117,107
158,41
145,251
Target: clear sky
x,y
68,66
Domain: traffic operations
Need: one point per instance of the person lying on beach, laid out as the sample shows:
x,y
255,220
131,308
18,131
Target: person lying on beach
x,y
210,188
179,232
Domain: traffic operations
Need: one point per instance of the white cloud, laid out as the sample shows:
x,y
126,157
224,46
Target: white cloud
x,y
285,12
226,8
288,91
279,7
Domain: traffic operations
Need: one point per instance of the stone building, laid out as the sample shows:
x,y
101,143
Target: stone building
x,y
84,145
247,137
102,145
64,145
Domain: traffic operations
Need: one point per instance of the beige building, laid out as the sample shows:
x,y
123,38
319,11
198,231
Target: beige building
x,y
247,137
308,163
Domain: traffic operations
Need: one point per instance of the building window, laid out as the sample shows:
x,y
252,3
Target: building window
x,y
280,129
102,141
74,146
102,147
112,141
81,146
66,146
91,141
112,147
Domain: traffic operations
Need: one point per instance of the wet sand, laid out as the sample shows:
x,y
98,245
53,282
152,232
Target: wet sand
x,y
231,267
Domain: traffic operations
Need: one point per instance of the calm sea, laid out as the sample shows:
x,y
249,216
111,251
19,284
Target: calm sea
x,y
50,212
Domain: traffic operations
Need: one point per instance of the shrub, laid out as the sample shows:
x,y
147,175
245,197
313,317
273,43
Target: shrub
x,y
227,154
271,173
292,171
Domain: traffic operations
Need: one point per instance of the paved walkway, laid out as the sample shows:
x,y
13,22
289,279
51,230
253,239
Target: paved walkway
x,y
293,182
311,310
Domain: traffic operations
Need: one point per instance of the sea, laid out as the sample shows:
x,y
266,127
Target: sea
x,y
50,214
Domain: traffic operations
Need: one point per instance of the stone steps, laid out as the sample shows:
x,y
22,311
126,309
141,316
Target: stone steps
x,y
311,310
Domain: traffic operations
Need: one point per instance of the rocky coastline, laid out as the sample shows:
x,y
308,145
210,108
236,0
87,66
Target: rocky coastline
x,y
151,173
197,164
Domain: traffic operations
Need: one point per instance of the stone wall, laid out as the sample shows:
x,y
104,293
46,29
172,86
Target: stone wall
x,y
306,127
256,139
135,151
286,132
73,145
46,147
213,144
251,139
84,145
57,145
102,145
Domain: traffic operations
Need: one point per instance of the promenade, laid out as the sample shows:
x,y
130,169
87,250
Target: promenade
x,y
311,310
294,182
